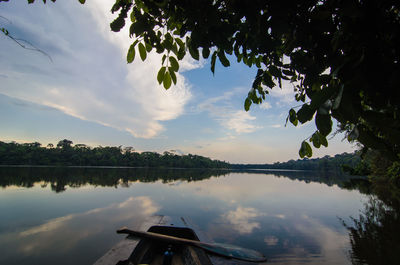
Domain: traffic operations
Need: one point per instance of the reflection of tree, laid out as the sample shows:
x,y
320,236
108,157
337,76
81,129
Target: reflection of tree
x,y
309,176
374,235
59,177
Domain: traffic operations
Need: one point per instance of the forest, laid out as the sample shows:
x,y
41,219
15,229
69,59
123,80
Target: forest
x,y
67,154
348,162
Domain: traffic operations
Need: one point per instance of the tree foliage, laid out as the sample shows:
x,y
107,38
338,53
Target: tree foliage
x,y
67,154
342,56
332,164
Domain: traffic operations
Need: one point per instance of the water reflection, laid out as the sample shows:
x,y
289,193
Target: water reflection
x,y
60,177
374,234
71,214
67,235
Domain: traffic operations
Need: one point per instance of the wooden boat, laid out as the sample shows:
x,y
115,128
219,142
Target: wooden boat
x,y
164,243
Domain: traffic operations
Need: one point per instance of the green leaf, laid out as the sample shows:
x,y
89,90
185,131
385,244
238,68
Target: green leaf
x,y
175,49
174,64
308,149
321,96
160,75
324,123
353,135
194,52
213,60
258,62
305,113
82,1
305,150
247,104
181,53
275,71
323,140
293,117
173,76
206,52
168,41
148,47
223,59
267,80
167,80
315,140
142,51
180,43
239,58
131,54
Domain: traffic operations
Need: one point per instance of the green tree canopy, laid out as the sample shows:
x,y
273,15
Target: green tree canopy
x,y
342,56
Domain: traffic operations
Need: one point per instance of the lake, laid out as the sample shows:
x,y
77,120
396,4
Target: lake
x,y
69,215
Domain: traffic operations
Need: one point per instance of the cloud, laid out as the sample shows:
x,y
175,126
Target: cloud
x,y
265,105
239,122
89,78
220,109
285,94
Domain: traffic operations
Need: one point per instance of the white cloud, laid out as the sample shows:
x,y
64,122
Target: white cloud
x,y
220,108
89,77
239,121
265,105
285,94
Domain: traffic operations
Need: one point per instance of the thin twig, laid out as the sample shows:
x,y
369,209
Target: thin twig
x,y
32,48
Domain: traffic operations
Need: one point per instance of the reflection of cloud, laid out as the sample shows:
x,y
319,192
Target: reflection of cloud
x,y
240,218
328,238
271,240
47,227
332,243
64,233
280,216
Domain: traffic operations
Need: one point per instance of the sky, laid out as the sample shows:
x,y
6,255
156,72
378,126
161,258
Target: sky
x,y
87,93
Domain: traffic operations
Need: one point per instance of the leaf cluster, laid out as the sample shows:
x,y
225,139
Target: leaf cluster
x,y
341,56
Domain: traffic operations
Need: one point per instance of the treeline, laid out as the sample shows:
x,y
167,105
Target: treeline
x,y
327,163
67,154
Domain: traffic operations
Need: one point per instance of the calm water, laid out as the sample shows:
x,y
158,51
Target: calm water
x,y
69,216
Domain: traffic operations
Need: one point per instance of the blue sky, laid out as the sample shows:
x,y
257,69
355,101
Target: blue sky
x,y
89,94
